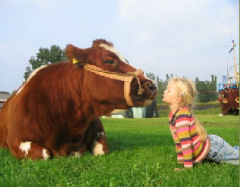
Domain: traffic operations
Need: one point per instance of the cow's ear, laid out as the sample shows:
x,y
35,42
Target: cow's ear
x,y
76,55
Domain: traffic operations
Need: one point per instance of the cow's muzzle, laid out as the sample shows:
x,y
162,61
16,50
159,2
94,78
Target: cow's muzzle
x,y
149,86
127,78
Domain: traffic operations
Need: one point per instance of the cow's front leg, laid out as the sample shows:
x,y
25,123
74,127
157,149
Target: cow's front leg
x,y
96,141
99,144
93,140
29,149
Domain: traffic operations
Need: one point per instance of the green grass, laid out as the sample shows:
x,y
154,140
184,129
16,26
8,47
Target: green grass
x,y
142,153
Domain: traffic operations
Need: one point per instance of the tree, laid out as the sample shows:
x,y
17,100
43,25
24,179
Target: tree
x,y
207,90
151,76
45,56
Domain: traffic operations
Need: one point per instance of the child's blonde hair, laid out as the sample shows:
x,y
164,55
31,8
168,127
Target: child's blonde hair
x,y
188,93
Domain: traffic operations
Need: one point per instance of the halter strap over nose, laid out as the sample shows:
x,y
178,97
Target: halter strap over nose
x,y
126,78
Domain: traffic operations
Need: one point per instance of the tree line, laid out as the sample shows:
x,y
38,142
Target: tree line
x,y
207,90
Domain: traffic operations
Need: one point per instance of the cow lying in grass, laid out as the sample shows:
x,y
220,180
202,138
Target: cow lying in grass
x,y
56,111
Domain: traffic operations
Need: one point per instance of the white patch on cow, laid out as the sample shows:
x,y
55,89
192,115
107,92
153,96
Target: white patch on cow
x,y
45,154
31,76
110,48
76,154
97,148
25,147
118,111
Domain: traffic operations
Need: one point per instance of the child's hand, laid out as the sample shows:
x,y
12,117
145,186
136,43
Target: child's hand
x,y
179,169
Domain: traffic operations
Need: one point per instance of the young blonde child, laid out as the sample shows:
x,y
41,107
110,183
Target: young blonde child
x,y
193,145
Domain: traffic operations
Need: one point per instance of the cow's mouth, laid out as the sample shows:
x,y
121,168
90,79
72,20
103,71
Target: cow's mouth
x,y
148,95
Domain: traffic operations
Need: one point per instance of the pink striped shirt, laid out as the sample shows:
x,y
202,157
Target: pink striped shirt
x,y
189,146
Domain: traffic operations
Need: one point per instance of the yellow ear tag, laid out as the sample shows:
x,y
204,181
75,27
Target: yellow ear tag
x,y
74,61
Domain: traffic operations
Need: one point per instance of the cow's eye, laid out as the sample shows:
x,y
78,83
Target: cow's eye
x,y
109,61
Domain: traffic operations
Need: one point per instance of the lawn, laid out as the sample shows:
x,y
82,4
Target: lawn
x,y
142,153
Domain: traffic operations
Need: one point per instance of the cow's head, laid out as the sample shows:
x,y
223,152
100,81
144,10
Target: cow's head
x,y
110,78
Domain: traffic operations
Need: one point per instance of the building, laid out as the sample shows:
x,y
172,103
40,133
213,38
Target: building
x,y
3,97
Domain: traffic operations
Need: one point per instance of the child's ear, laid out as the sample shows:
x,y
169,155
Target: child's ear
x,y
180,99
76,55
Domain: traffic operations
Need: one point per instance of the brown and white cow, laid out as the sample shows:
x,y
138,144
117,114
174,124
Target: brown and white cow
x,y
56,111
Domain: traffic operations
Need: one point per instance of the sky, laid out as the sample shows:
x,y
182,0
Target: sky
x,y
188,38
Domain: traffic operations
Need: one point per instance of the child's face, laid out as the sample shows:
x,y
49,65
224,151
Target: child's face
x,y
171,94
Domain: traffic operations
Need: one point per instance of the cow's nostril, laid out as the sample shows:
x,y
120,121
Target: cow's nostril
x,y
152,87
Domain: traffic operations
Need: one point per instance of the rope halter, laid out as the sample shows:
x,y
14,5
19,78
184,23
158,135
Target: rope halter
x,y
125,77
